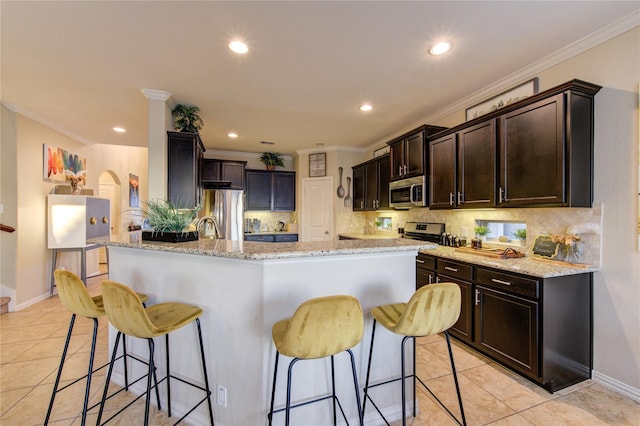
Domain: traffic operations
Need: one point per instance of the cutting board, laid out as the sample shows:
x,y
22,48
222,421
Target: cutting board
x,y
495,253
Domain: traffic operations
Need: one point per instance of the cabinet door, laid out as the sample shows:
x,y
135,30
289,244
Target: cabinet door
x,y
384,172
266,238
396,154
424,277
371,186
184,169
234,172
507,329
477,166
258,193
463,328
210,170
414,154
284,191
442,182
532,154
358,188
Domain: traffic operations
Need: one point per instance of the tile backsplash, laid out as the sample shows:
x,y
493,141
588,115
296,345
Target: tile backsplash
x,y
537,220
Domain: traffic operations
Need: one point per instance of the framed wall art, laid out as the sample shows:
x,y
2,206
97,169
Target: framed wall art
x,y
59,165
318,164
134,183
515,94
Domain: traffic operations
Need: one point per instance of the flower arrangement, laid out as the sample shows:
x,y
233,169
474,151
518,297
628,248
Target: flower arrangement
x,y
569,247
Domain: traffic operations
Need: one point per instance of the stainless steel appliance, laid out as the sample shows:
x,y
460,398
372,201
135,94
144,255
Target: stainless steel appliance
x,y
227,207
406,193
424,231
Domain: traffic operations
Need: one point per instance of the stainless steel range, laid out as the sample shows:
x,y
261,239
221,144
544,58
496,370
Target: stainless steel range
x,y
424,231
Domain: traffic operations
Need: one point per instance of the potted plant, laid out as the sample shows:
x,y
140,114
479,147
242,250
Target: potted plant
x,y
521,234
271,160
169,222
481,232
187,118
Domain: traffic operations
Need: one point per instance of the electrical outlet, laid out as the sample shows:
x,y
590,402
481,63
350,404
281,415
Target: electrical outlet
x,y
221,395
463,232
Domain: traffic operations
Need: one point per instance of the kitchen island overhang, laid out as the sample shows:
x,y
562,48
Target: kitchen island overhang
x,y
246,287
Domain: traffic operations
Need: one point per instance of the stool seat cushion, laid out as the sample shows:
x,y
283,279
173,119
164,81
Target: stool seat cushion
x,y
320,327
432,309
126,313
74,296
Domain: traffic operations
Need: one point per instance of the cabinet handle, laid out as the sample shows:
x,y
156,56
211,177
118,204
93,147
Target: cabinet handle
x,y
399,170
437,279
362,204
448,268
501,195
430,279
419,261
105,219
459,198
477,297
495,280
451,198
93,220
405,169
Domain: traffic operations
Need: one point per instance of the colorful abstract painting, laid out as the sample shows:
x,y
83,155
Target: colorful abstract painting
x,y
60,163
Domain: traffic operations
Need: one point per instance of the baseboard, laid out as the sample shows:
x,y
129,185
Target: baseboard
x,y
28,302
616,385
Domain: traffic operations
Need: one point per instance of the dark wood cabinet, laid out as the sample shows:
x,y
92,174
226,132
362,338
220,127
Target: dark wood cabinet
x,y
463,168
538,327
407,153
184,169
268,190
272,238
371,184
231,173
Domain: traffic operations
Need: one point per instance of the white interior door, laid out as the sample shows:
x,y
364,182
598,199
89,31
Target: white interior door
x,y
109,189
317,209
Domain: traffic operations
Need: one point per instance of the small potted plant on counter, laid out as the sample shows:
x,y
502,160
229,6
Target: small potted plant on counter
x,y
481,232
521,234
169,222
271,160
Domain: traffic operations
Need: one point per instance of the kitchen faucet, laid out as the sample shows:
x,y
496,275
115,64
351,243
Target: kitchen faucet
x,y
202,225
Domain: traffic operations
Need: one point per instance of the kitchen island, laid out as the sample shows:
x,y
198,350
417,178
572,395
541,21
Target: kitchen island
x,y
244,288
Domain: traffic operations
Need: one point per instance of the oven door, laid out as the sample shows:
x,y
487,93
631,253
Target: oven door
x,y
407,193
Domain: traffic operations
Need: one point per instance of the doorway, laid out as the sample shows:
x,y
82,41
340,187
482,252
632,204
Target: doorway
x,y
109,188
317,209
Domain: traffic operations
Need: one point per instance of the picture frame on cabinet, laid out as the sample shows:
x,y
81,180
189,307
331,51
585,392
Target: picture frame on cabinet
x,y
318,164
381,151
528,88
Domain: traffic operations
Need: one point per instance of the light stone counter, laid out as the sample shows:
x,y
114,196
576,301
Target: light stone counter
x,y
375,236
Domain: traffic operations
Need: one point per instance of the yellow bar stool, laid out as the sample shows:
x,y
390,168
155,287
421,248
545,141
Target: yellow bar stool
x,y
431,310
127,314
319,328
76,299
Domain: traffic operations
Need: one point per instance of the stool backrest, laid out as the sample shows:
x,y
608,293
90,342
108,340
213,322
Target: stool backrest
x,y
125,310
75,297
324,326
432,309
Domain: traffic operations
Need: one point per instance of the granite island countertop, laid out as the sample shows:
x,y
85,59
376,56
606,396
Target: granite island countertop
x,y
250,250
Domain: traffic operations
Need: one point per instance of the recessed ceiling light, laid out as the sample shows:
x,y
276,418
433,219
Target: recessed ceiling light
x,y
119,129
366,107
440,48
238,47
232,135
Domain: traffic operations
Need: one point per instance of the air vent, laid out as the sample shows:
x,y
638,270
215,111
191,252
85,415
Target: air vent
x,y
267,143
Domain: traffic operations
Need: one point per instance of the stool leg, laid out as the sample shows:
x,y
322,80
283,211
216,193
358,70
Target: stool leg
x,y
355,384
166,340
404,396
333,390
124,360
288,406
204,370
89,372
108,379
148,396
414,376
64,355
455,377
366,384
273,388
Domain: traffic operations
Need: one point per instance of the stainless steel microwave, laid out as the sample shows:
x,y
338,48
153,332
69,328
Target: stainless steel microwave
x,y
406,193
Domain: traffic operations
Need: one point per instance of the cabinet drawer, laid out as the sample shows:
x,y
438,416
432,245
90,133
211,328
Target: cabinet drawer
x,y
507,282
286,238
268,238
455,269
426,262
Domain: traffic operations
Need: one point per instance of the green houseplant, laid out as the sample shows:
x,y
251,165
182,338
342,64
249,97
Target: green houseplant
x,y
169,222
520,234
271,160
481,232
187,119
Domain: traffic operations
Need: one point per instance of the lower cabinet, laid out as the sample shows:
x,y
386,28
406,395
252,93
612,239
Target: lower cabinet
x,y
272,238
538,327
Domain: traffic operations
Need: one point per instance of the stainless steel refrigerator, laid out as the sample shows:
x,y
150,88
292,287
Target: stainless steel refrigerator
x,y
227,207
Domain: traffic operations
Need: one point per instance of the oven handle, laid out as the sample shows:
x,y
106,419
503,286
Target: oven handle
x,y
411,199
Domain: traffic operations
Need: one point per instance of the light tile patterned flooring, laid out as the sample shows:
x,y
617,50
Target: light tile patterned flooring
x,y
31,342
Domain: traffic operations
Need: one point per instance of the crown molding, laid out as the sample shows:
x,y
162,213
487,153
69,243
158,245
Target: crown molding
x,y
156,95
212,153
330,148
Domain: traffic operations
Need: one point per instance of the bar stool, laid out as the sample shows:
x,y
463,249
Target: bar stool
x,y
127,314
431,310
319,328
75,298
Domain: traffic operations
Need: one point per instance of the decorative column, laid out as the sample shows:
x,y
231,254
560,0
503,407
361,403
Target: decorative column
x,y
159,121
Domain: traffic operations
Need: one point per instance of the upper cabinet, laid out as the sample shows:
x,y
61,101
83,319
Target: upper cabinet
x,y
534,153
371,184
269,190
407,153
184,168
463,168
223,174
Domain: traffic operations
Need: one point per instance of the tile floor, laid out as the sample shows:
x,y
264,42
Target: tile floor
x,y
31,342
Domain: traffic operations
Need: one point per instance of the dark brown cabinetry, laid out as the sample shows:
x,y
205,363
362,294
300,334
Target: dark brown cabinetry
x,y
272,238
223,174
268,190
371,184
184,169
539,327
407,153
463,168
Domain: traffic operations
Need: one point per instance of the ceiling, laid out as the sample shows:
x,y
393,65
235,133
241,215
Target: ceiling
x,y
79,67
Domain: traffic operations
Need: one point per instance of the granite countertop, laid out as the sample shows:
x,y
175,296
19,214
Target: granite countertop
x,y
525,265
271,233
250,250
372,236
